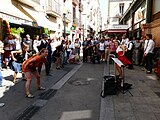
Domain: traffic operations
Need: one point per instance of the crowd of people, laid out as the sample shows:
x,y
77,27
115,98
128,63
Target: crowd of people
x,y
130,51
27,55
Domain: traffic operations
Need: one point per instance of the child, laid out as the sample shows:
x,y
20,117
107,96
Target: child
x,y
73,58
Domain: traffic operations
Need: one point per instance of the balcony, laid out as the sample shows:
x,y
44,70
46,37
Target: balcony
x,y
69,17
80,7
53,8
33,3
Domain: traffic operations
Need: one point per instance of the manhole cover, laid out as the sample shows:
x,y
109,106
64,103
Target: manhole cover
x,y
79,82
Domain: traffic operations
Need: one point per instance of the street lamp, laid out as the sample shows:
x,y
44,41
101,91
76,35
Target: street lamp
x,y
64,22
100,31
83,31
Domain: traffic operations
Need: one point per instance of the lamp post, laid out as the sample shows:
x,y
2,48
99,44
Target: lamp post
x,y
83,31
64,22
100,31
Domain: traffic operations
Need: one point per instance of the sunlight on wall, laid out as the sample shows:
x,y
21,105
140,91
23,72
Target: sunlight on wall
x,y
76,115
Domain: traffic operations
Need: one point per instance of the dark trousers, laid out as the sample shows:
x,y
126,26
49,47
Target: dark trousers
x,y
84,55
129,55
149,62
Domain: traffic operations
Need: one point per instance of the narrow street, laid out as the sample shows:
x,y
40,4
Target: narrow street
x,y
73,93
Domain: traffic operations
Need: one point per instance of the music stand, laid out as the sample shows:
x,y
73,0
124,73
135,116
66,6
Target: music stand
x,y
121,65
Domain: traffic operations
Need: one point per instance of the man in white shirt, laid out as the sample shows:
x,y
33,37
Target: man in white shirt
x,y
148,52
124,40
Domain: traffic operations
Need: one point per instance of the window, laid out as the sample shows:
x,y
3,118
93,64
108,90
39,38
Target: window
x,y
114,19
156,6
121,8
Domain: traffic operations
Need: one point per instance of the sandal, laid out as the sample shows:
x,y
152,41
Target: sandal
x,y
41,88
30,96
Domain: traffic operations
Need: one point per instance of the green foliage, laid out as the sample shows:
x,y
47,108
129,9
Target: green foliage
x,y
18,31
46,31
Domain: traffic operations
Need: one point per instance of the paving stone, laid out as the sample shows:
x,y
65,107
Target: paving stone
x,y
144,115
123,114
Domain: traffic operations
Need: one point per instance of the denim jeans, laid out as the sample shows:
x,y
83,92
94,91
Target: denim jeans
x,y
1,78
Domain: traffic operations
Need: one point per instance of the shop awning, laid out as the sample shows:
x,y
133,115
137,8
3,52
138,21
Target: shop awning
x,y
41,19
11,13
116,31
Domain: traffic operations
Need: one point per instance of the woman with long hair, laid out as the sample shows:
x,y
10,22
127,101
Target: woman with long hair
x,y
30,67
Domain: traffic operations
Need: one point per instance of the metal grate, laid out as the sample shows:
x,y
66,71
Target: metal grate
x,y
28,113
48,94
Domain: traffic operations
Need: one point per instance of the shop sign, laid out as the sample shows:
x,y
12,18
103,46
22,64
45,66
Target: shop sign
x,y
68,32
139,15
13,19
72,28
117,26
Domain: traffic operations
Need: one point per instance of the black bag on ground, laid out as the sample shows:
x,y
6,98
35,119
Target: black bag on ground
x,y
110,86
127,86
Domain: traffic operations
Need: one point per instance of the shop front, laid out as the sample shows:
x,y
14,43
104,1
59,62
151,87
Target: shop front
x,y
116,30
11,16
153,26
139,20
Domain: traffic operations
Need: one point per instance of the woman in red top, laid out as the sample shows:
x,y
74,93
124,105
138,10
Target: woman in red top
x,y
120,52
30,67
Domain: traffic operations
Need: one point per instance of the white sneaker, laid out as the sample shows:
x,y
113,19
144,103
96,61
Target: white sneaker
x,y
2,104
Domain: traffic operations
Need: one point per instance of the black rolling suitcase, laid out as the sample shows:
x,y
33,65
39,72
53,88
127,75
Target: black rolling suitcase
x,y
110,82
110,87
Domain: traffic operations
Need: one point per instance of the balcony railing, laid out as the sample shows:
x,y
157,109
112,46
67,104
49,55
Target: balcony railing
x,y
53,7
80,7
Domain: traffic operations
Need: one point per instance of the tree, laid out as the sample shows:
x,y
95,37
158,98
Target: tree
x,y
18,31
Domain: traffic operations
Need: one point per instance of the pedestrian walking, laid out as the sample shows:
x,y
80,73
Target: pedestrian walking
x,y
30,67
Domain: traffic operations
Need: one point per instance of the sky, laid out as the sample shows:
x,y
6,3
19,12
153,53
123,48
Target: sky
x,y
104,8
